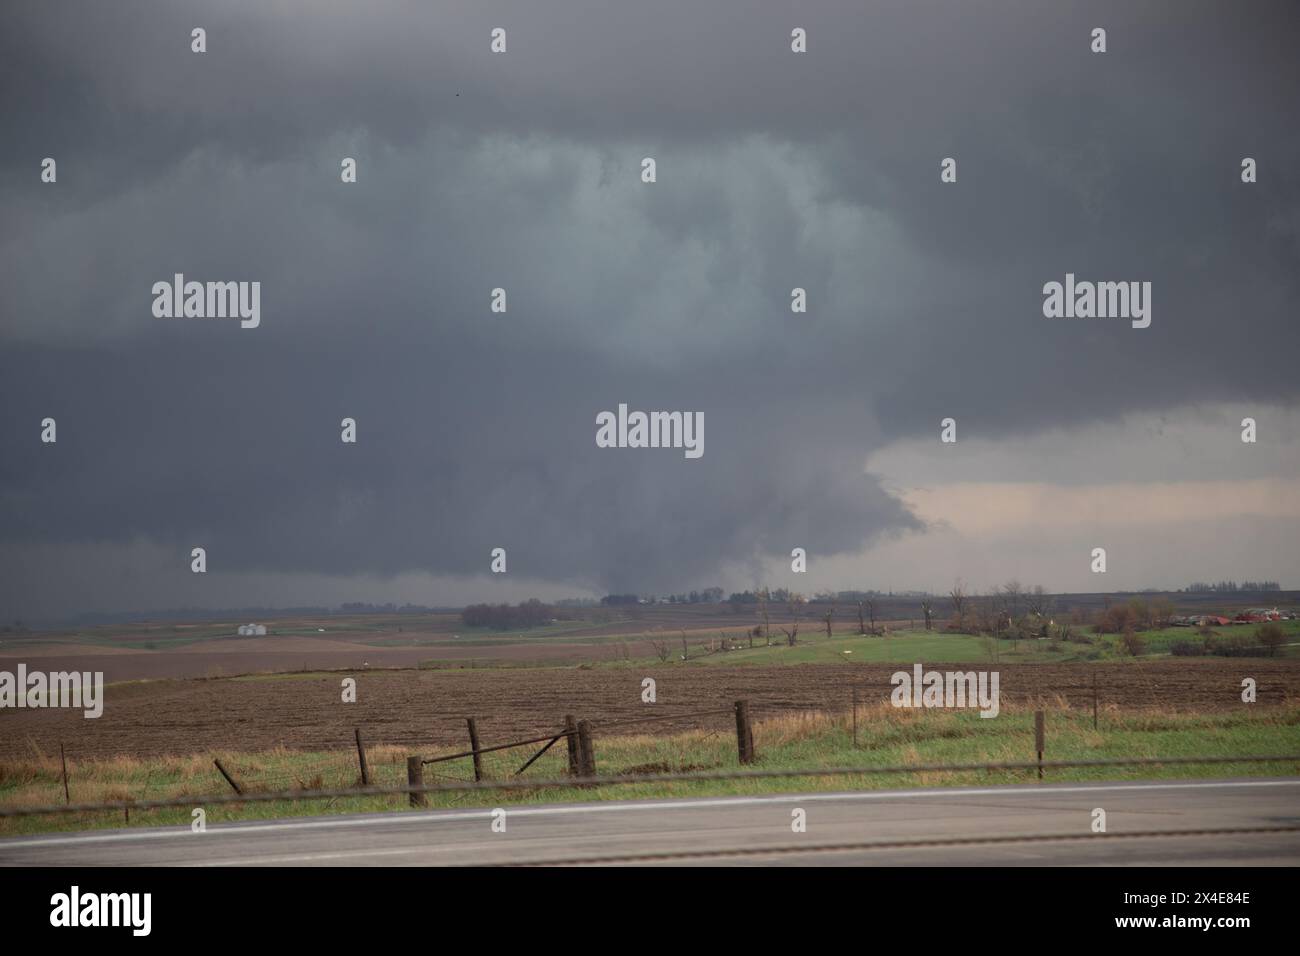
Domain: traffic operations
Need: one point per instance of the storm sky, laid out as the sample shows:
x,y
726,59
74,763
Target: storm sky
x,y
521,170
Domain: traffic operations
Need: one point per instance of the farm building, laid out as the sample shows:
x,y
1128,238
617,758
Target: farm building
x,y
252,630
1258,615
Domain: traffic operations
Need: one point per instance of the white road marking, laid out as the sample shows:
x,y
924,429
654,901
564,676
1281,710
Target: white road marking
x,y
448,816
310,857
939,844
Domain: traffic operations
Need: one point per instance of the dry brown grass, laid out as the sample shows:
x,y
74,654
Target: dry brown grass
x,y
787,740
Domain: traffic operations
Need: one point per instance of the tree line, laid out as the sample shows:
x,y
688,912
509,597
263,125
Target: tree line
x,y
1201,587
504,617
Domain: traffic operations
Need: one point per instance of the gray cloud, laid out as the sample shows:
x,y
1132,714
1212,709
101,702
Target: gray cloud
x,y
477,430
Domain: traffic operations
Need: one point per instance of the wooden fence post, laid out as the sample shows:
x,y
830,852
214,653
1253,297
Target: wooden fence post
x,y
855,718
64,759
1094,700
744,732
571,727
229,779
1038,740
361,756
586,750
415,778
473,745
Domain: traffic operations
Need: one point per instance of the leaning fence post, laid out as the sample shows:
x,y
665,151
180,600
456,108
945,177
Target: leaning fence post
x,y
744,732
473,745
571,730
415,778
1038,740
1094,700
229,779
66,797
855,718
361,757
586,751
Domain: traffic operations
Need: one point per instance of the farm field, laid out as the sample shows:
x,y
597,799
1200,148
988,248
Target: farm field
x,y
268,655
152,652
160,651
423,708
938,647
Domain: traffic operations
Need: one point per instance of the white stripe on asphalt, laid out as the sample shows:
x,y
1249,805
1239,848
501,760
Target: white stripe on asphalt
x,y
443,817
311,857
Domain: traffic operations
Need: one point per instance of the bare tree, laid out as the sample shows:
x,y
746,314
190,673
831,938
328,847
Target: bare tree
x,y
764,597
862,624
958,598
928,610
1162,609
794,604
982,612
1013,592
1039,601
991,613
828,617
662,650
1142,612
990,648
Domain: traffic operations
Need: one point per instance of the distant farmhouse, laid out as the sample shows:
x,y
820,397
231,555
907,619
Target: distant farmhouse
x,y
252,630
1254,615
1257,615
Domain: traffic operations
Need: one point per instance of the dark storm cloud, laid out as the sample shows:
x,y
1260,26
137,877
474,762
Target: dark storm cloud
x,y
238,450
775,170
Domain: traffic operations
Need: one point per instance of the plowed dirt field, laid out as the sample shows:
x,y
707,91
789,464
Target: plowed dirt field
x,y
423,709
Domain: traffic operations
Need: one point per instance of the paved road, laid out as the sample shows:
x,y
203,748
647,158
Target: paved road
x,y
748,831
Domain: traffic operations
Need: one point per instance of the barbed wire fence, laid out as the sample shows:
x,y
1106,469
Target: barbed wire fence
x,y
494,768
621,779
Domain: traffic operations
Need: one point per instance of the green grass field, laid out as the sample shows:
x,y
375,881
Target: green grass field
x,y
941,647
900,645
912,643
887,737
1159,641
